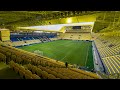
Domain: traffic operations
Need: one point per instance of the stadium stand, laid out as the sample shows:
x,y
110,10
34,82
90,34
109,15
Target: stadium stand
x,y
76,36
53,39
2,58
23,72
108,47
22,39
19,43
9,43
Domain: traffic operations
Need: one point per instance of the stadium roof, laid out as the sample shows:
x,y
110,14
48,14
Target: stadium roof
x,y
56,27
32,18
13,19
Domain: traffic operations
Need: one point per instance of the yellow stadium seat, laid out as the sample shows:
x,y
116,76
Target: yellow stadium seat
x,y
39,72
34,69
50,76
13,57
29,66
19,60
2,57
44,75
16,69
28,72
28,76
34,76
22,73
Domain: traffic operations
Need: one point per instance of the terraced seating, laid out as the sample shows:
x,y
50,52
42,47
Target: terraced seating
x,y
19,43
24,73
85,36
42,73
9,43
72,74
53,39
76,36
108,46
36,41
61,73
2,58
32,41
92,75
113,64
65,35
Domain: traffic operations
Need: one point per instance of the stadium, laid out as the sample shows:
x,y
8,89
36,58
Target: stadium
x,y
59,45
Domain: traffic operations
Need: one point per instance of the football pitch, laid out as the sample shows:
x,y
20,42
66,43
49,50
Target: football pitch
x,y
74,52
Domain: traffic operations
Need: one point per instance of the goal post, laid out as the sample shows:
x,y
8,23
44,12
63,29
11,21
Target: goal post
x,y
38,52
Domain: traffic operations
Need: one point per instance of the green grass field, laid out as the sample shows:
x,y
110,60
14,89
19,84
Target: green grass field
x,y
74,52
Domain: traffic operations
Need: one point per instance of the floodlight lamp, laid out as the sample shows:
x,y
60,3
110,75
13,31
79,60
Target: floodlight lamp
x,y
69,20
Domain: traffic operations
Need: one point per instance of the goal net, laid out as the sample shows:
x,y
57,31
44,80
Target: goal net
x,y
38,52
